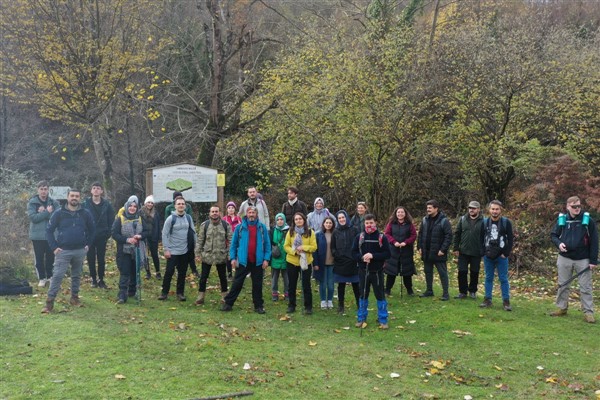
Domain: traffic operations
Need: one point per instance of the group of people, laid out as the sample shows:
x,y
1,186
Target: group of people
x,y
332,248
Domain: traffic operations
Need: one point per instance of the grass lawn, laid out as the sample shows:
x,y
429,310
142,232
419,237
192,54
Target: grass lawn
x,y
176,350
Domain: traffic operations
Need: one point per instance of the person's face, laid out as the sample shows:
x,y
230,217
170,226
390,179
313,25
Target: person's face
x,y
280,221
252,193
299,221
43,192
73,198
361,209
328,224
495,211
214,213
574,208
291,195
370,223
473,211
431,210
149,205
231,210
341,219
132,209
180,206
319,205
251,214
400,214
96,191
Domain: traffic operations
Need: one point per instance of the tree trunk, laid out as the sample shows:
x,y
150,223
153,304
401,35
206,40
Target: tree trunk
x,y
102,139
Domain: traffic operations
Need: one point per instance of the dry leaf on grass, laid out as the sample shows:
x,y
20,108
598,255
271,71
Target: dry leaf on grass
x,y
312,343
119,376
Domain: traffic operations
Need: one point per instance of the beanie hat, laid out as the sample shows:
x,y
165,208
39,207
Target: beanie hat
x,y
231,203
149,199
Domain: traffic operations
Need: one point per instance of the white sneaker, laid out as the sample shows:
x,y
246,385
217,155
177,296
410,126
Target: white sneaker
x,y
329,304
42,283
323,305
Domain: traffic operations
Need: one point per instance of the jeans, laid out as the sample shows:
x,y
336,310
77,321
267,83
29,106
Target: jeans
x,y
500,264
464,263
127,276
294,272
326,284
221,269
180,262
256,276
44,258
275,273
97,250
62,261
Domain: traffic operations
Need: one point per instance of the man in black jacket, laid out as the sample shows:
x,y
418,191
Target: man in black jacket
x,y
433,243
467,247
293,205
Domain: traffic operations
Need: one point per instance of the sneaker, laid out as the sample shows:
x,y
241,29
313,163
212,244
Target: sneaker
x,y
148,275
473,295
75,302
426,294
308,311
181,297
323,305
561,312
158,275
461,296
42,283
330,304
259,310
226,307
486,303
94,284
341,310
290,310
275,296
49,306
383,326
589,318
102,285
445,297
506,305
163,296
121,301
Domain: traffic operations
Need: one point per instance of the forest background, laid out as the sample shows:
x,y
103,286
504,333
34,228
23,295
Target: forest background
x,y
385,101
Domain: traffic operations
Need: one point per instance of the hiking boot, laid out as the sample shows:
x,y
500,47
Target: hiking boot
x,y
486,303
359,324
121,301
259,310
102,285
181,297
290,310
589,318
75,302
410,292
49,306
426,294
226,307
200,300
308,311
158,275
94,284
473,295
341,310
506,305
383,326
163,296
461,296
148,275
445,297
561,312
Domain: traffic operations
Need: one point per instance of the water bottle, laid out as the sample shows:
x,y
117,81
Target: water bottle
x,y
562,219
586,219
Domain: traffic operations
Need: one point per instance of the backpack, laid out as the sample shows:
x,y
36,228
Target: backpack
x,y
361,239
191,239
224,224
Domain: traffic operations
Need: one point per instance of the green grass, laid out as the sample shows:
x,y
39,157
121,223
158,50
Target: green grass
x,y
176,350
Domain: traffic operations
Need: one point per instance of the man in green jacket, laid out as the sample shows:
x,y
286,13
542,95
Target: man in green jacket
x,y
467,247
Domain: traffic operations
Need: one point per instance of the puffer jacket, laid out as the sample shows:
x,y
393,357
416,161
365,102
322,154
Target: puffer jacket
x,y
441,238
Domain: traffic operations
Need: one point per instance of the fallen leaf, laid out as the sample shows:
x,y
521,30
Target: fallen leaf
x,y
312,343
576,387
364,325
438,364
279,374
422,344
394,375
412,321
285,318
460,333
498,368
540,368
173,308
247,366
379,376
337,331
502,386
467,397
346,328
234,364
119,376
552,379
182,326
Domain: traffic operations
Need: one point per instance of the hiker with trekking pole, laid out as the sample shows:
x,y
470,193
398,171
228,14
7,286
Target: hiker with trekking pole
x,y
575,234
401,233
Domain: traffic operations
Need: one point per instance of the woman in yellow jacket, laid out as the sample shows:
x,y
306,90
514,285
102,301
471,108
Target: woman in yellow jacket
x,y
300,244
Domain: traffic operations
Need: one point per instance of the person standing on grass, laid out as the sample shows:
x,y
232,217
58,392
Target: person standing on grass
x,y
576,237
317,216
129,232
258,203
214,237
104,215
401,234
434,240
467,247
170,209
324,262
39,210
497,246
278,264
300,244
233,220
345,267
371,249
293,206
176,248
152,221
250,252
69,234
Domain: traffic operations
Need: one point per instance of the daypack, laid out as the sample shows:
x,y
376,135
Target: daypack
x,y
361,240
190,234
224,224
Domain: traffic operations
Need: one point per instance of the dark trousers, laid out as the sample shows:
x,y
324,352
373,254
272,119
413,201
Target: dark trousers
x,y
442,270
366,279
465,263
342,292
127,277
294,272
241,272
192,261
44,259
221,269
153,246
391,279
97,250
180,262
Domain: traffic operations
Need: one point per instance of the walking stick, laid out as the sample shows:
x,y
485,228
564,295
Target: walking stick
x,y
401,277
138,277
571,279
364,297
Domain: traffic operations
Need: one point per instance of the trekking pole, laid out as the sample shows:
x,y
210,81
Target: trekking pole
x,y
364,295
402,277
138,278
571,279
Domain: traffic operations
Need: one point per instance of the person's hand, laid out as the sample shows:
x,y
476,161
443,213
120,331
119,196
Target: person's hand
x,y
41,209
402,244
397,244
58,250
502,256
86,248
233,264
167,254
420,252
50,208
316,267
299,249
592,266
562,247
265,264
456,253
367,257
137,237
440,253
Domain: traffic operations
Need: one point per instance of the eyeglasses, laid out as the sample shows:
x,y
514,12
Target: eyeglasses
x,y
575,206
472,208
